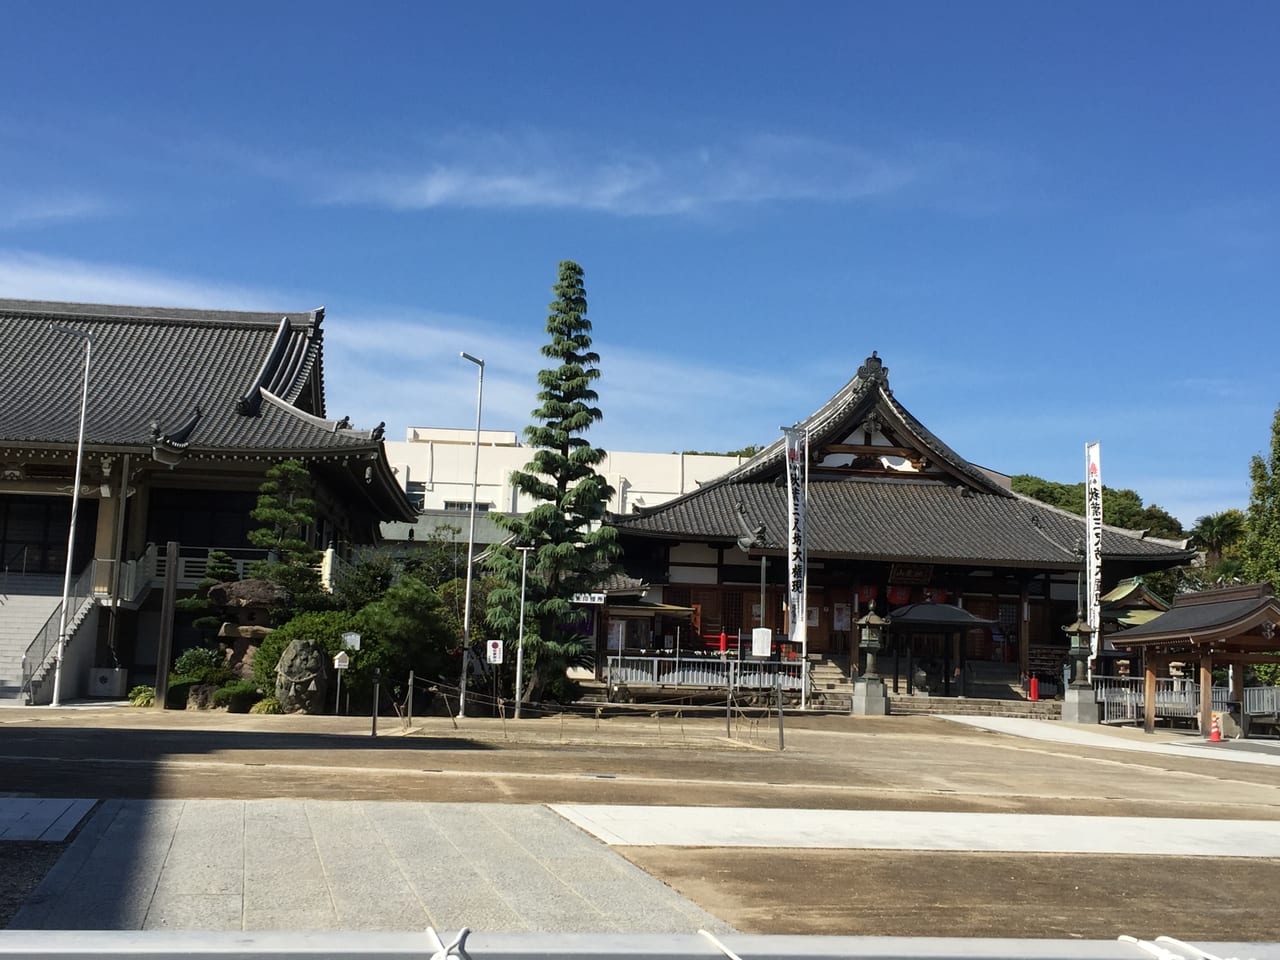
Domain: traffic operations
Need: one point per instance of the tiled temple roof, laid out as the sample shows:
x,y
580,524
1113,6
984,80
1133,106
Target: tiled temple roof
x,y
951,512
186,384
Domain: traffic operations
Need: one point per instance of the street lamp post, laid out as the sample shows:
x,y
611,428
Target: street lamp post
x,y
75,506
471,541
524,572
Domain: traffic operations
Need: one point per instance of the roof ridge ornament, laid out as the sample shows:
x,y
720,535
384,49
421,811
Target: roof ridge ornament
x,y
874,370
250,401
170,449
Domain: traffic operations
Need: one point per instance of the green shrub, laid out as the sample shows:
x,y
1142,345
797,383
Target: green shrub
x,y
266,705
179,690
201,665
142,696
326,628
238,696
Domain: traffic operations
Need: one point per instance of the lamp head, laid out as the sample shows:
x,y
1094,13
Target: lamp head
x,y
476,360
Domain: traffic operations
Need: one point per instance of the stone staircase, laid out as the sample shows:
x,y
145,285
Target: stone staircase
x,y
902,704
829,685
25,605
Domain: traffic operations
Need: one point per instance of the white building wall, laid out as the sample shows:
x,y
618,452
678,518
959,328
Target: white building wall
x,y
442,460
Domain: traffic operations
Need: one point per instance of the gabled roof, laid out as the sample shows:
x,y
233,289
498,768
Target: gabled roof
x,y
176,384
1240,618
918,500
867,402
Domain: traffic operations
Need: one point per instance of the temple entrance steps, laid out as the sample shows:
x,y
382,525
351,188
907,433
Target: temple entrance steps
x,y
830,686
902,704
25,607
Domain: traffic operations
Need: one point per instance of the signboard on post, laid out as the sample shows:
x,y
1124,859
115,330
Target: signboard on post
x,y
494,650
351,641
761,641
341,660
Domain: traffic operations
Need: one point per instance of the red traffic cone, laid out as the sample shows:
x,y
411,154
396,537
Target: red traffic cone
x,y
1215,733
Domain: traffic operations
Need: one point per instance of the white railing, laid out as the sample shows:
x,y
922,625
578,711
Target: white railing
x,y
1122,699
705,672
193,562
1261,701
332,569
406,945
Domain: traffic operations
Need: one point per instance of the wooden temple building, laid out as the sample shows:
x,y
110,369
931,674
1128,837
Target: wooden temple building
x,y
895,518
1237,626
185,412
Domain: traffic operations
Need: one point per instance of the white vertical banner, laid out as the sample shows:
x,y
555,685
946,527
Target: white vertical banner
x,y
1093,547
797,552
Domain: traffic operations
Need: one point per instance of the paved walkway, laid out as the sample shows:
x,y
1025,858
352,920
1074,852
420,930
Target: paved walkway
x,y
40,819
622,825
1161,743
317,865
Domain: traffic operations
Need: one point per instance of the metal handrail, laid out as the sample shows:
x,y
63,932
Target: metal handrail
x,y
38,652
4,574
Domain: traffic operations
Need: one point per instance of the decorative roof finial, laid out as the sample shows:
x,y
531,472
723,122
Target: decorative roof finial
x,y
874,369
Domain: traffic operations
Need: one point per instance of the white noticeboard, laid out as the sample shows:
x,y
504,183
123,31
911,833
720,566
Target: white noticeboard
x,y
494,648
341,660
761,641
351,641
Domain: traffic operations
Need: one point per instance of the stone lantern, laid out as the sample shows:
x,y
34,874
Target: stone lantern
x,y
1079,704
868,692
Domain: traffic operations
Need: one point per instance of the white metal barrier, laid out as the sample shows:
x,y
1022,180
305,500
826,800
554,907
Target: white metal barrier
x,y
705,672
1122,699
352,945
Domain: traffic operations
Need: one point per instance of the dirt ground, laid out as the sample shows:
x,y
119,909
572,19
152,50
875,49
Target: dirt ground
x,y
891,763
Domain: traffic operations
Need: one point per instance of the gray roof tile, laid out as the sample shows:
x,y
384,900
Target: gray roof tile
x,y
160,365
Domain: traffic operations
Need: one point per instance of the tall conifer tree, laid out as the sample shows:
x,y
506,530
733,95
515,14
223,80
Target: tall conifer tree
x,y
1260,550
572,551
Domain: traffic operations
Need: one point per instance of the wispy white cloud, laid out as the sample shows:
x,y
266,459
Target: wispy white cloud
x,y
402,367
533,171
34,276
35,211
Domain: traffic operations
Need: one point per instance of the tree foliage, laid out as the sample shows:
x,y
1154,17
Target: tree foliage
x,y
286,511
207,617
572,552
1217,534
1260,550
1120,507
401,630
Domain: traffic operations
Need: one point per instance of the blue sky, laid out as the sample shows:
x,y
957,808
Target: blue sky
x,y
1056,223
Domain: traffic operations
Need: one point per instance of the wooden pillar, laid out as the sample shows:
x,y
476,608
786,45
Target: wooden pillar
x,y
1149,693
1206,693
164,656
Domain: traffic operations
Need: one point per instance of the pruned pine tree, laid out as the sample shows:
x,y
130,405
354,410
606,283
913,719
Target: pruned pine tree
x,y
286,511
206,617
572,551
